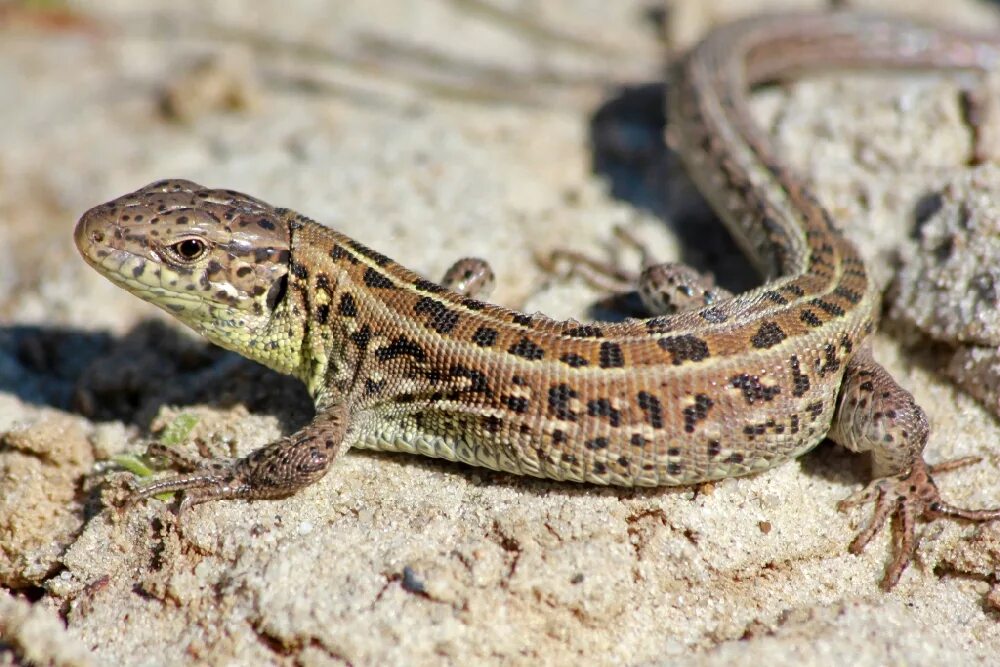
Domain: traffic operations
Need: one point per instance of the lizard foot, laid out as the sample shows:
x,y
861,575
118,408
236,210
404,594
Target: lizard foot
x,y
211,479
276,470
906,497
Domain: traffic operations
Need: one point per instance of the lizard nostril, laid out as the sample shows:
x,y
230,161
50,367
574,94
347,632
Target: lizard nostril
x,y
97,237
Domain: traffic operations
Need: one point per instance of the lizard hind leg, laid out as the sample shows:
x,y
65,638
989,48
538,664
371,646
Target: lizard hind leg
x,y
276,470
670,288
470,276
665,288
876,415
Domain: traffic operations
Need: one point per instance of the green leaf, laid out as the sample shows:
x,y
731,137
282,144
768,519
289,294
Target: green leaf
x,y
179,429
134,464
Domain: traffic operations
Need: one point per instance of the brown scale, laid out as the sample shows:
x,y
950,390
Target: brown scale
x,y
500,330
539,411
538,338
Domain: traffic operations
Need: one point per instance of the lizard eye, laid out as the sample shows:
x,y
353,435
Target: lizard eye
x,y
189,250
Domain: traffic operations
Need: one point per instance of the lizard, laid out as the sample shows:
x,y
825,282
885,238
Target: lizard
x,y
712,385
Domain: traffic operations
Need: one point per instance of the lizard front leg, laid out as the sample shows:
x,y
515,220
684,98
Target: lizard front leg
x,y
276,470
664,288
287,465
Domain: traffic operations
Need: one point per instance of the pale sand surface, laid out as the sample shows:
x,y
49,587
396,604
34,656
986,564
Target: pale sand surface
x,y
456,128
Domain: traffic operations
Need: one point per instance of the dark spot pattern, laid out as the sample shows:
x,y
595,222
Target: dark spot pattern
x,y
584,331
573,360
517,404
373,255
347,307
477,381
401,346
753,390
775,297
810,318
768,335
686,347
376,280
696,412
473,304
601,407
338,253
847,295
651,407
362,337
827,307
492,423
611,355
713,315
527,349
559,402
659,325
830,363
425,285
800,381
440,318
484,337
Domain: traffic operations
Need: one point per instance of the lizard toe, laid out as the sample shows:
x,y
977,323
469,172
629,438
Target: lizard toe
x,y
904,498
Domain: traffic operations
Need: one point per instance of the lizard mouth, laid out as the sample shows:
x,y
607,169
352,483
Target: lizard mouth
x,y
126,258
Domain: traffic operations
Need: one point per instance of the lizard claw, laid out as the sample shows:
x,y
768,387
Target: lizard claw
x,y
906,497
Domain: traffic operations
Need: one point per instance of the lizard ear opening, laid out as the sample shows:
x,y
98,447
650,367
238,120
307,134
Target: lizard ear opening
x,y
277,292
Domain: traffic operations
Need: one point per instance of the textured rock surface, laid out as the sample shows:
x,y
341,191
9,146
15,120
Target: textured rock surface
x,y
459,128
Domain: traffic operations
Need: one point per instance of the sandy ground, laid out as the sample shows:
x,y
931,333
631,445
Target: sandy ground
x,y
430,131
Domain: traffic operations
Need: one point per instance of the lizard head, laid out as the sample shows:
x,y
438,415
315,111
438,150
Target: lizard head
x,y
217,260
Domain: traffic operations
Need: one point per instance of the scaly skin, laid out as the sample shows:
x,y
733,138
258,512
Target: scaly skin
x,y
733,385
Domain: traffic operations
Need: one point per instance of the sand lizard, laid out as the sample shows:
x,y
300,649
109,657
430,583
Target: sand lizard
x,y
730,385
